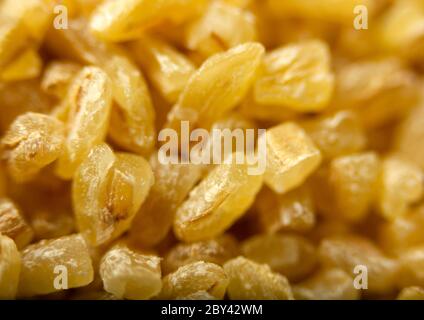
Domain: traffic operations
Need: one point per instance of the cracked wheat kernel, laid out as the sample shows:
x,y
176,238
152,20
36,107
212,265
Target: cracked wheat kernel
x,y
401,185
347,252
402,233
33,141
355,178
347,188
336,135
35,16
126,19
132,119
216,251
249,280
217,201
400,29
387,81
354,181
107,191
89,102
173,183
291,157
221,27
275,112
39,262
195,278
13,224
217,86
27,65
58,76
297,77
10,266
168,69
293,211
129,274
409,138
12,39
329,284
291,255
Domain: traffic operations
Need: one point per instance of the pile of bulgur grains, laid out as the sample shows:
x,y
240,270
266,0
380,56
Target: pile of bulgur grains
x,y
86,86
